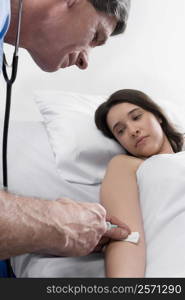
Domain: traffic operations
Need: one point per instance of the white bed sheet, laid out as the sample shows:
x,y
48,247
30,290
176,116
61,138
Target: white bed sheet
x,y
32,172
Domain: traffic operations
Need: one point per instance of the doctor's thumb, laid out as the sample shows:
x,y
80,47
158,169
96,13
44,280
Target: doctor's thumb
x,y
117,233
116,229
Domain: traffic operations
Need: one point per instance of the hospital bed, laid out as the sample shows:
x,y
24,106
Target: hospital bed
x,y
35,170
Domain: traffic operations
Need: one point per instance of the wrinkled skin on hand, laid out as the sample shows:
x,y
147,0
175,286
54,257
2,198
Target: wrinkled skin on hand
x,y
61,227
84,227
81,226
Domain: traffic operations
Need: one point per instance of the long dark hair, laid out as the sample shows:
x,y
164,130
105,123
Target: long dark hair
x,y
139,98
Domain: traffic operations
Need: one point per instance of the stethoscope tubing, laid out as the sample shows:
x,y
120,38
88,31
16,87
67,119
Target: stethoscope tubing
x,y
9,82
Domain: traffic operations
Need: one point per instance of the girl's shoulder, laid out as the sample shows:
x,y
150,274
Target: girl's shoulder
x,y
129,161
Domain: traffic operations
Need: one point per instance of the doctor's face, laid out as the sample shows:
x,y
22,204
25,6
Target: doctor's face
x,y
137,130
68,34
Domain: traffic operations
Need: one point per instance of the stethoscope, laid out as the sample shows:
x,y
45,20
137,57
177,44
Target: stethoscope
x,y
9,82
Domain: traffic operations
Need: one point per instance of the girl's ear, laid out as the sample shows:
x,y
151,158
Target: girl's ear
x,y
160,120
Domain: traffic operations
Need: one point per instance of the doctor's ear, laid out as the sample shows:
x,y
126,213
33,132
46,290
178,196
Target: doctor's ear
x,y
71,3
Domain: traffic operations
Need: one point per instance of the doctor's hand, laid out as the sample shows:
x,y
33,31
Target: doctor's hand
x,y
76,227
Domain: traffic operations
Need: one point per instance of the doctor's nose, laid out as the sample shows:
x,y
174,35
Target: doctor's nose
x,y
82,61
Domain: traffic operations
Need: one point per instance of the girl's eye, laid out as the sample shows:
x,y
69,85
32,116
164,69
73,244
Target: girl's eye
x,y
137,117
120,131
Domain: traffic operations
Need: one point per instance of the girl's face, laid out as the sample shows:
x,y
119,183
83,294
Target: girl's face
x,y
137,130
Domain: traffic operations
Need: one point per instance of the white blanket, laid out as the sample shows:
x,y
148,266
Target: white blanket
x,y
161,180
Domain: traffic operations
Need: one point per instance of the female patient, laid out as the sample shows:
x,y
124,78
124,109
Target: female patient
x,y
141,127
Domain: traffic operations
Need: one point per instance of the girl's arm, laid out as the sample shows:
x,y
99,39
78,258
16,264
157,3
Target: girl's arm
x,y
119,195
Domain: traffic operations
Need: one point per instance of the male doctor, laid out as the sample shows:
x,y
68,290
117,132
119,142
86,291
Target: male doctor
x,y
58,34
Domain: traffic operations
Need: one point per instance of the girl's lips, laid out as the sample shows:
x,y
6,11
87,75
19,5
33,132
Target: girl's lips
x,y
141,141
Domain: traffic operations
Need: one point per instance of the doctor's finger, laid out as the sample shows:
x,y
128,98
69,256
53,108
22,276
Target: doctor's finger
x,y
114,220
117,233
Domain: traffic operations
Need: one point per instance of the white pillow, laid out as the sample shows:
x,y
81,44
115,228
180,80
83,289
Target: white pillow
x,y
81,151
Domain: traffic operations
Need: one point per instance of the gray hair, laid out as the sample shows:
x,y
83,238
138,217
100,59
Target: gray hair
x,y
118,8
